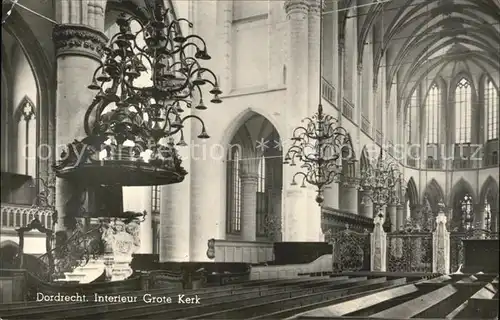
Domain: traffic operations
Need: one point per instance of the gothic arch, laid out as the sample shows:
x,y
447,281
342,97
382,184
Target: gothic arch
x,y
412,192
43,71
10,243
490,187
434,194
460,188
364,159
242,118
19,110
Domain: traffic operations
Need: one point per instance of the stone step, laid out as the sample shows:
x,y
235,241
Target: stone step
x,y
253,310
230,299
140,307
415,306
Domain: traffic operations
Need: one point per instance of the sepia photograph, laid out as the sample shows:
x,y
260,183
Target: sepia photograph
x,y
249,159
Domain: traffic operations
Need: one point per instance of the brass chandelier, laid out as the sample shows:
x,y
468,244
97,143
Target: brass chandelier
x,y
382,180
318,145
130,127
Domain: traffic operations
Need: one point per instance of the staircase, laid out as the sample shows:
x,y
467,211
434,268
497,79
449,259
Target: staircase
x,y
85,274
362,296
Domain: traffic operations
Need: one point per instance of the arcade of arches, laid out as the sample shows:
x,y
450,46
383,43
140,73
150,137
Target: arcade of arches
x,y
418,78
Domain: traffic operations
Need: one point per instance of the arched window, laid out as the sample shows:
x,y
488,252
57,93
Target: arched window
x,y
261,197
467,212
433,104
491,106
234,192
463,112
487,216
410,117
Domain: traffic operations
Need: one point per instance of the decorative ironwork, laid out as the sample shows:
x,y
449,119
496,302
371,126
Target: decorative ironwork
x,y
456,250
318,145
272,227
409,252
383,180
351,250
130,126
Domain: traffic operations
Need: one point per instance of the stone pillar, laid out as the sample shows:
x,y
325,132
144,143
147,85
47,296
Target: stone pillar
x,y
138,199
348,198
367,210
392,212
400,217
479,217
248,206
175,206
441,246
78,50
295,207
378,245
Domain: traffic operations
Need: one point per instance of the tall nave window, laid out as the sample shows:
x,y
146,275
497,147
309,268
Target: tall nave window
x,y
432,105
491,104
262,203
234,192
463,112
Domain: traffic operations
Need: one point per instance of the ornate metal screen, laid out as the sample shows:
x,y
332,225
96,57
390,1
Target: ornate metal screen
x,y
456,250
351,250
409,252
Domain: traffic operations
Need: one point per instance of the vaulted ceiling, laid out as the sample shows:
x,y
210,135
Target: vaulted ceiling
x,y
423,39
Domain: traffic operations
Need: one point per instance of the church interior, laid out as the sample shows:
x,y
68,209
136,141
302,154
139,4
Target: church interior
x,y
253,159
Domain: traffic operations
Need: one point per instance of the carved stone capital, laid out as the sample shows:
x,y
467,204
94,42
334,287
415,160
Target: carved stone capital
x,y
72,39
249,178
296,6
315,7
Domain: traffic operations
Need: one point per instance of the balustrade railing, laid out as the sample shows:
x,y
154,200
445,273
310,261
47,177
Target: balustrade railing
x,y
347,109
409,252
365,125
328,92
14,216
378,136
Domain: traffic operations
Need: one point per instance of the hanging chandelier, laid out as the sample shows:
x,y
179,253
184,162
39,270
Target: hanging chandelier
x,y
131,127
383,181
318,146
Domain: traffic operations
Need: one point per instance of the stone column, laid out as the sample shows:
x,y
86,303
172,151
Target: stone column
x,y
400,217
78,51
138,199
441,246
314,232
248,206
392,212
378,246
175,206
479,217
348,200
367,210
295,198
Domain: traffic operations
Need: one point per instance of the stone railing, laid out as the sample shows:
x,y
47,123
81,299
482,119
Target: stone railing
x,y
14,216
365,125
243,251
347,109
328,91
378,136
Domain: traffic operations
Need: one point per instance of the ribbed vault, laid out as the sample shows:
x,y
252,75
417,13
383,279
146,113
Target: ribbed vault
x,y
425,39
